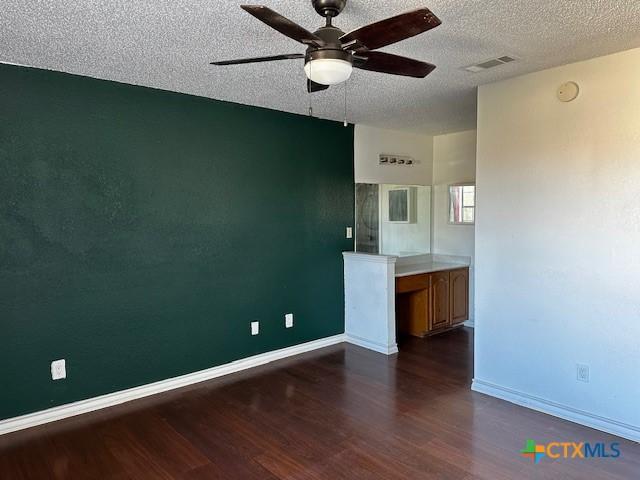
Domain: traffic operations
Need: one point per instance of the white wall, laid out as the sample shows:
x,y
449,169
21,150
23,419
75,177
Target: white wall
x,y
454,161
558,242
405,239
369,310
369,142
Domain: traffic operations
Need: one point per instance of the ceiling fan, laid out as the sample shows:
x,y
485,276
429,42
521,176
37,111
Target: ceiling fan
x,y
331,54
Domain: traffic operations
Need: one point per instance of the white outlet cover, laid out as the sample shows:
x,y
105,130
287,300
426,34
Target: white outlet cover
x,y
582,373
349,232
288,320
58,369
255,328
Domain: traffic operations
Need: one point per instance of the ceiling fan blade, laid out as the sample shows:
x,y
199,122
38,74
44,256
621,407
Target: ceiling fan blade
x,y
283,25
393,64
313,87
272,58
391,30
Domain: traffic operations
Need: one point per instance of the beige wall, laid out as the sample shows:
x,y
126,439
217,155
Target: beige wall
x,y
558,242
454,161
443,160
370,142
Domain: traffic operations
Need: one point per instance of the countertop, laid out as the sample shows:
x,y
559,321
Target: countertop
x,y
427,267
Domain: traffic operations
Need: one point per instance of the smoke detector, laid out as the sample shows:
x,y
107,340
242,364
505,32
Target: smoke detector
x,y
568,92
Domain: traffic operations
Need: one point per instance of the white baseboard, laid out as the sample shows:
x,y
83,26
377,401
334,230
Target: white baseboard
x,y
581,417
375,346
116,398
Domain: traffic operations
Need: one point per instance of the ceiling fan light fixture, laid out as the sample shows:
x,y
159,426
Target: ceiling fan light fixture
x,y
328,71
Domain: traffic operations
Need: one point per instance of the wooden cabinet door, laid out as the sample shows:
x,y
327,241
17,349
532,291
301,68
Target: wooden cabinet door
x,y
459,286
439,300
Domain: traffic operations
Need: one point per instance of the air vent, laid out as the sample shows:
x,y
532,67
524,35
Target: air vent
x,y
488,64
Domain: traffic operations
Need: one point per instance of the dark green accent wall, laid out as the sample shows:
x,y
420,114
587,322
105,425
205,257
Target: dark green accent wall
x,y
142,230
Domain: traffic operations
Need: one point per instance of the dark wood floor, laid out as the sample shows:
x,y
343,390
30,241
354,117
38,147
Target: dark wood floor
x,y
338,413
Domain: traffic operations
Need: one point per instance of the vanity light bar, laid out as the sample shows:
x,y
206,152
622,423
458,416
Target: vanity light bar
x,y
388,159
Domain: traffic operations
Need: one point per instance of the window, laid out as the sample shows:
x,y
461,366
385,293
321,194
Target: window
x,y
462,204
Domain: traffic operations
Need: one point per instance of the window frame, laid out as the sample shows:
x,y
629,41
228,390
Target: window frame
x,y
475,197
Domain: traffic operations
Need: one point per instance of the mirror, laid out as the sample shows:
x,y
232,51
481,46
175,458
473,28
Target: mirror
x,y
393,219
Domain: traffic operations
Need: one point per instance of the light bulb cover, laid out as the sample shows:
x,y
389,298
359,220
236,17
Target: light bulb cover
x,y
328,71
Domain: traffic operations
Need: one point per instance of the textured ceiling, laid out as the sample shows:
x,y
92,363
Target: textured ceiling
x,y
167,44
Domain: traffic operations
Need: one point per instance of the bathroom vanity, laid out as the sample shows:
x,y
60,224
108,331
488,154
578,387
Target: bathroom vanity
x,y
431,298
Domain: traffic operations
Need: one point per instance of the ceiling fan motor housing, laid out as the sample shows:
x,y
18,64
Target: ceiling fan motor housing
x,y
329,63
332,48
329,8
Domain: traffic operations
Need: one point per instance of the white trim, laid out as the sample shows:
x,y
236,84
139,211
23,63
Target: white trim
x,y
375,346
370,257
470,324
549,407
116,398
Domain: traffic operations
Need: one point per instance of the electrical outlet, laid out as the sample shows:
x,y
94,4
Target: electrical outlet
x,y
255,328
58,369
582,373
288,320
349,232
